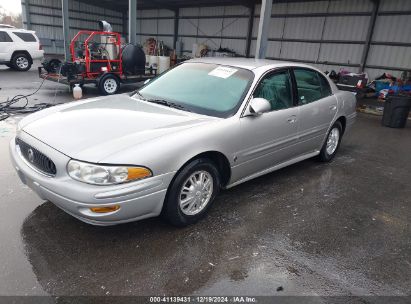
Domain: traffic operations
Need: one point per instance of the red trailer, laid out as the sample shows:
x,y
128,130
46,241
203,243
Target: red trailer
x,y
97,57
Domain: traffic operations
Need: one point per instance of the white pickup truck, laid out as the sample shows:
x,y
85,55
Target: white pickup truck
x,y
19,47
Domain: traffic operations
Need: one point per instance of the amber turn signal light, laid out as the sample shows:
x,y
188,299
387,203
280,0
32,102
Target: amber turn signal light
x,y
138,173
105,209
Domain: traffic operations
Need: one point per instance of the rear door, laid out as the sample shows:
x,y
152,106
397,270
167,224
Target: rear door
x,y
26,41
268,139
5,46
317,108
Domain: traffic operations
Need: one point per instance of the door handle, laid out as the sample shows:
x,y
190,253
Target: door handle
x,y
333,107
292,119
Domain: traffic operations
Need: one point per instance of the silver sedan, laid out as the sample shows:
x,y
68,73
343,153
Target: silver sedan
x,y
204,125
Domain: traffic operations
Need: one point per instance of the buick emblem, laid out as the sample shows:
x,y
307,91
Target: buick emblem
x,y
30,155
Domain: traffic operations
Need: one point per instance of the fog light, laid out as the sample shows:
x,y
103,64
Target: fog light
x,y
105,209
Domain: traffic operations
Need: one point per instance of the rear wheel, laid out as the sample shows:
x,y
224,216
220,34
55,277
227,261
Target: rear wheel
x,y
21,62
332,143
191,193
108,85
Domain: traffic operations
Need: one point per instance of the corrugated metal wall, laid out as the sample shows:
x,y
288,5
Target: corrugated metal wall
x,y
224,27
329,34
158,23
45,19
393,26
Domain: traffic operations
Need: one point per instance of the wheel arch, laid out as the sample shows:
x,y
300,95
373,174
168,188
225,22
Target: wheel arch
x,y
16,52
219,159
108,73
343,121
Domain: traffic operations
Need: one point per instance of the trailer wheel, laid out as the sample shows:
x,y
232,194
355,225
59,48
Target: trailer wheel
x,y
108,84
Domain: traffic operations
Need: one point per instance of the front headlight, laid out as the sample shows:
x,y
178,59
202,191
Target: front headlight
x,y
105,174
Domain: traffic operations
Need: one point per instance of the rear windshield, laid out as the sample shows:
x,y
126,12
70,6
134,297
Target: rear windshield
x,y
25,36
208,89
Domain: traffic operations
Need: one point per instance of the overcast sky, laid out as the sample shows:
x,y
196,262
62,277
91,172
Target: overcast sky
x,y
13,6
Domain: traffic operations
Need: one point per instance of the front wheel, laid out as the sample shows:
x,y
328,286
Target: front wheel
x,y
108,85
191,193
332,143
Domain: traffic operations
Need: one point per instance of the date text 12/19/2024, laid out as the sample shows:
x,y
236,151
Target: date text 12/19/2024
x,y
203,299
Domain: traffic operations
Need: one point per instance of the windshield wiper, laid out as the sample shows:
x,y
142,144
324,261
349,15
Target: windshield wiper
x,y
168,104
139,95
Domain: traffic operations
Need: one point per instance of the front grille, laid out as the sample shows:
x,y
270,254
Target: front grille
x,y
35,158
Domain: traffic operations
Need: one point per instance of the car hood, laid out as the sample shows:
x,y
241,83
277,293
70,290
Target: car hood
x,y
97,128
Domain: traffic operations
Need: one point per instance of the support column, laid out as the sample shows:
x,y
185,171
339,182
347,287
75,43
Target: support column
x,y
124,24
26,14
370,31
176,17
265,16
66,28
250,30
132,21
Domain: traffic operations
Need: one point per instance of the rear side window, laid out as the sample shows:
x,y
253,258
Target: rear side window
x,y
308,86
4,37
25,36
325,86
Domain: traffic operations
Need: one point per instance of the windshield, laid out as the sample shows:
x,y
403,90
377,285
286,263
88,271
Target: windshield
x,y
208,89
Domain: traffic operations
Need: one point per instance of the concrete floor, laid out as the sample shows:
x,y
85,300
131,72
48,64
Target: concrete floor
x,y
310,229
13,83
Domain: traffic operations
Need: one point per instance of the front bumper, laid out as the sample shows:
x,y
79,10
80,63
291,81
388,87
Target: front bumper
x,y
137,200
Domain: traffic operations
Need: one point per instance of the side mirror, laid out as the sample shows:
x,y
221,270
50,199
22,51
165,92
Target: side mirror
x,y
147,81
259,106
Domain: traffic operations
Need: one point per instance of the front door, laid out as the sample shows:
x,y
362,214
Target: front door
x,y
268,139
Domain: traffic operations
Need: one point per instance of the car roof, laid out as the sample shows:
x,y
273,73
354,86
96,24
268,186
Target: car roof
x,y
6,26
15,29
248,63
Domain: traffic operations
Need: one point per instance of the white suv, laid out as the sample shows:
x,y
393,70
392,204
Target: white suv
x,y
18,47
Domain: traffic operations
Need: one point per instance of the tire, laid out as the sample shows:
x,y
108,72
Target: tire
x,y
52,66
108,84
21,62
332,143
181,214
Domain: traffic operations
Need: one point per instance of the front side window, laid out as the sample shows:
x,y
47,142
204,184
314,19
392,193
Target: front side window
x,y
27,37
4,37
308,86
207,89
276,88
